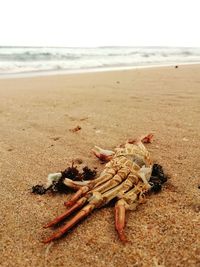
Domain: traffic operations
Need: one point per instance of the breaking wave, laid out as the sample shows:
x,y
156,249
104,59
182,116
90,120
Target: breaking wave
x,y
31,59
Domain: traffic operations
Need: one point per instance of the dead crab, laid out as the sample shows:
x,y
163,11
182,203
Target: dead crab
x,y
125,178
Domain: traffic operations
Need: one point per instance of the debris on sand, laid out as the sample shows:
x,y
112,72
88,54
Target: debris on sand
x,y
76,129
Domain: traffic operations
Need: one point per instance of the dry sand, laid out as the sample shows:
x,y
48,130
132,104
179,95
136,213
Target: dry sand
x,y
35,117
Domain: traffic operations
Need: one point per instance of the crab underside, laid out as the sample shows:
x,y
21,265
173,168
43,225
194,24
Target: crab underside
x,y
127,177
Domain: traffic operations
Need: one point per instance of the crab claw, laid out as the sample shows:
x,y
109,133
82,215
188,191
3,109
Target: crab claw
x,y
102,154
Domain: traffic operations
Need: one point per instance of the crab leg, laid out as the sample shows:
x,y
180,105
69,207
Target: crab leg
x,y
118,191
129,201
76,206
120,211
76,185
103,154
94,201
80,215
104,177
116,180
83,190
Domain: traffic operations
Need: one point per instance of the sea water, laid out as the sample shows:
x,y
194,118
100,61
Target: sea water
x,y
20,60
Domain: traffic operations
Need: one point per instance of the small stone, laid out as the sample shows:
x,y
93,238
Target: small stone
x,y
185,139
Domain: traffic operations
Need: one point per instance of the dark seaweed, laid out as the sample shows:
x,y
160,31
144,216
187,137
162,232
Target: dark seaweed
x,y
88,174
59,186
39,189
74,174
70,173
158,177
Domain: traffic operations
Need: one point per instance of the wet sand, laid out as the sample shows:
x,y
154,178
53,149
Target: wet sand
x,y
36,115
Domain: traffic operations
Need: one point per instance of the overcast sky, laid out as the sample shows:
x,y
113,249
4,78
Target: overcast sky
x,y
100,22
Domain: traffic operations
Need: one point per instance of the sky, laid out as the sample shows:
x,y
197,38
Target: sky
x,y
90,23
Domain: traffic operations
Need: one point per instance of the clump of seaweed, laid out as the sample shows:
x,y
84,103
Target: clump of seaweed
x,y
71,173
74,174
158,177
39,189
56,181
88,174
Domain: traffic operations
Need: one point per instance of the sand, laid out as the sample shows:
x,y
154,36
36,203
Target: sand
x,y
35,116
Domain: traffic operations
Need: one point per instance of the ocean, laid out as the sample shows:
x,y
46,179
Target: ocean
x,y
19,60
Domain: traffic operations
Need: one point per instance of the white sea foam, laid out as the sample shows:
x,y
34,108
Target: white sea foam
x,y
15,60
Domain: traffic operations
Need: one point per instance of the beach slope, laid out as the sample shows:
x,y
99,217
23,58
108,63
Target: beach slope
x,y
36,115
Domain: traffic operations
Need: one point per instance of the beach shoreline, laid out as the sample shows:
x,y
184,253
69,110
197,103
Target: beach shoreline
x,y
37,115
43,73
44,60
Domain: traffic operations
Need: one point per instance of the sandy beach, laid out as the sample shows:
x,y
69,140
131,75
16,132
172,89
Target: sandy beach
x,y
36,115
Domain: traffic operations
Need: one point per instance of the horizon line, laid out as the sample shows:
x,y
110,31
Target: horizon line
x,y
92,47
